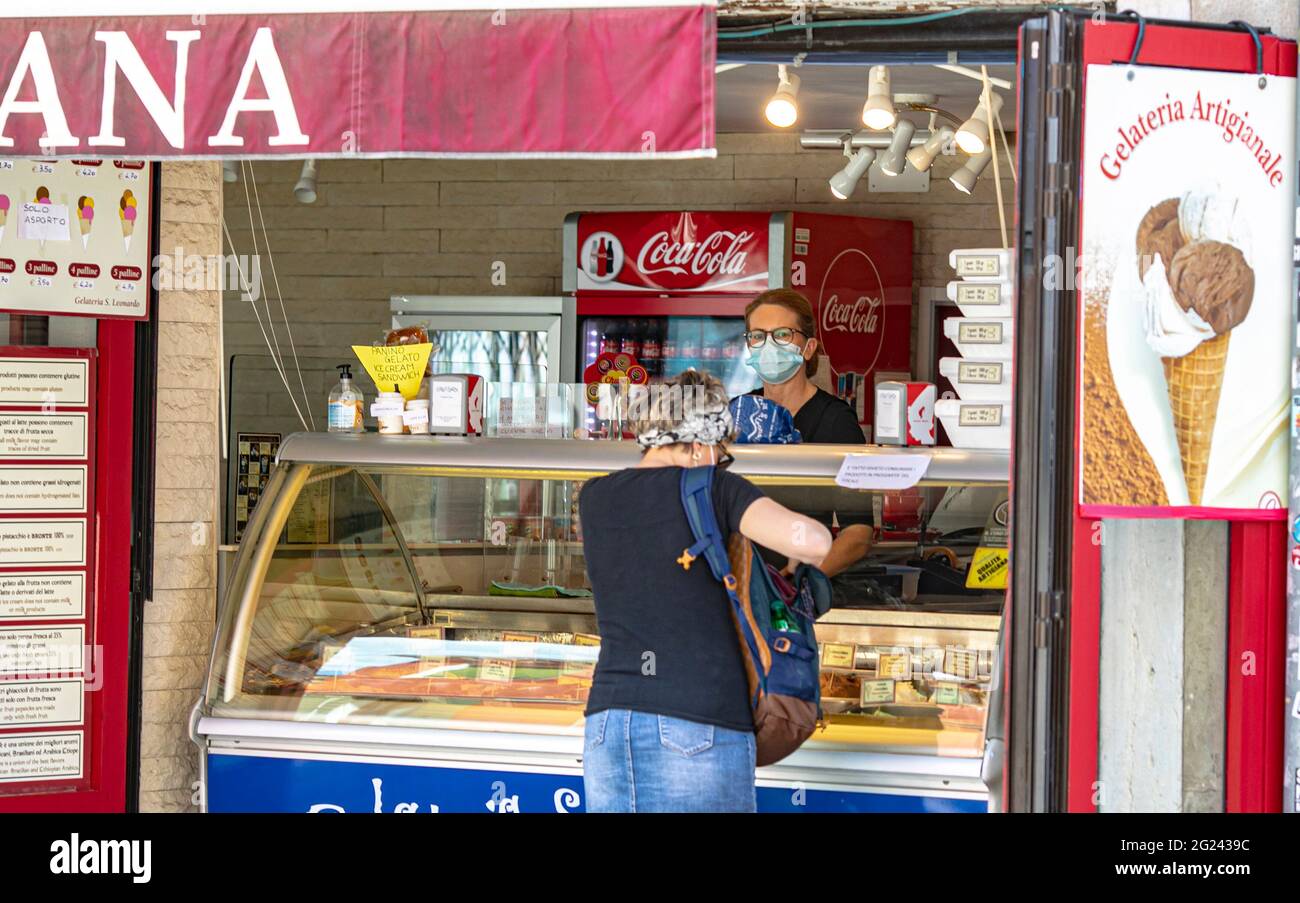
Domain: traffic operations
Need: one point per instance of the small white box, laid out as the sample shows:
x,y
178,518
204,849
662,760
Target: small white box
x,y
976,424
978,380
981,339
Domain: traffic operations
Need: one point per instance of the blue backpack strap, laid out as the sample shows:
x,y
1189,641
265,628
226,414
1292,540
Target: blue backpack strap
x,y
697,502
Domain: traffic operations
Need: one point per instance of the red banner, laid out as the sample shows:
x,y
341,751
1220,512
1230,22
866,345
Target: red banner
x,y
581,82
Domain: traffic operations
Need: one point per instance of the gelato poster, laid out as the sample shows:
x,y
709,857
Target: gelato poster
x,y
1186,279
74,237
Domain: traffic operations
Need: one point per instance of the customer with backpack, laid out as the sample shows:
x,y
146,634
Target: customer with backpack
x,y
669,723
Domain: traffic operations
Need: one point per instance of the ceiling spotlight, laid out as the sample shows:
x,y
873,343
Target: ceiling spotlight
x,y
973,136
894,159
964,179
782,110
846,180
878,112
922,157
229,171
305,190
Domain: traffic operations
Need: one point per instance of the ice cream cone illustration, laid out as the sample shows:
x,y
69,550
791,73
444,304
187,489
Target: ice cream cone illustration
x,y
42,197
126,213
85,217
4,214
1193,304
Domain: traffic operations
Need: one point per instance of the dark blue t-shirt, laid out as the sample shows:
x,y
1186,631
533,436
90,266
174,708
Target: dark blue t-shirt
x,y
667,642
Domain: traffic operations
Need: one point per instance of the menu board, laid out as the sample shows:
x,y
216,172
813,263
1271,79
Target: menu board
x,y
47,491
74,237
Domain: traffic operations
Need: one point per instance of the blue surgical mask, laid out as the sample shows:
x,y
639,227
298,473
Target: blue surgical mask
x,y
774,363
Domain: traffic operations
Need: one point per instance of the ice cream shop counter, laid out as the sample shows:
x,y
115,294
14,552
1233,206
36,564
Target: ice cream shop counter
x,y
407,627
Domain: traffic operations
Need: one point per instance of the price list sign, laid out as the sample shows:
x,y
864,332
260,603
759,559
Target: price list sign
x,y
74,237
46,566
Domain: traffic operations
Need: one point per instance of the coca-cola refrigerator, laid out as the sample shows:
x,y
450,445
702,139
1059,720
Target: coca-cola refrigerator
x,y
669,290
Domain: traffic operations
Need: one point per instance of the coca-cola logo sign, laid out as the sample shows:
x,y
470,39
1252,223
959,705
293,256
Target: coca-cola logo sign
x,y
719,254
851,312
601,256
689,251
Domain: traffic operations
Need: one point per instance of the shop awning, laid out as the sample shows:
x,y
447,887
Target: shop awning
x,y
315,78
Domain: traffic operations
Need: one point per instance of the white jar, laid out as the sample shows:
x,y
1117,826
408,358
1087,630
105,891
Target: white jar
x,y
387,409
416,417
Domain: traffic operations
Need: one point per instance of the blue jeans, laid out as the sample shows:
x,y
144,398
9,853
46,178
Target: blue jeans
x,y
638,762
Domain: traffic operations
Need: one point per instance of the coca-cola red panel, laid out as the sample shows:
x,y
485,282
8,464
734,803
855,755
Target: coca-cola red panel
x,y
857,272
675,252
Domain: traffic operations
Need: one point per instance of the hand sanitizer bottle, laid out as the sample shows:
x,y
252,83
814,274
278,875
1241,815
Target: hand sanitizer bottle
x,y
347,404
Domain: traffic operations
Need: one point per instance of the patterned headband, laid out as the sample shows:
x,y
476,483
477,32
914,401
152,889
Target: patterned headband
x,y
705,427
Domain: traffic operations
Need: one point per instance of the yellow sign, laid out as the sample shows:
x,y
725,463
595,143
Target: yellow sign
x,y
395,365
988,569
837,655
895,667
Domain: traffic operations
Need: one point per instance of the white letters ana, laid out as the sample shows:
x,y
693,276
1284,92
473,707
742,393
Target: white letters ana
x,y
120,54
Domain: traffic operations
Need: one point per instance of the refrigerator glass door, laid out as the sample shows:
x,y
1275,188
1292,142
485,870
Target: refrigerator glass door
x,y
666,346
501,339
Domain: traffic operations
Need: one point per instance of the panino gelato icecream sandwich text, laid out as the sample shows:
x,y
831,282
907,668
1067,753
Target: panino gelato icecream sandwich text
x,y
1198,285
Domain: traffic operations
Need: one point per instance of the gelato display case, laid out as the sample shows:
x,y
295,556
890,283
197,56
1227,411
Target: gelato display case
x,y
408,627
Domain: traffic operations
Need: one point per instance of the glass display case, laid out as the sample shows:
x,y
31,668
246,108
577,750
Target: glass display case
x,y
392,583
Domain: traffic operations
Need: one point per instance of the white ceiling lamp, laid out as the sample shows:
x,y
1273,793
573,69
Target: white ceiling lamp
x,y
894,160
973,136
878,112
922,157
305,190
965,178
783,109
229,171
846,180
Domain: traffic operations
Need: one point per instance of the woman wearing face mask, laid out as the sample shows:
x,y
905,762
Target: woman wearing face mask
x,y
782,339
669,726
781,336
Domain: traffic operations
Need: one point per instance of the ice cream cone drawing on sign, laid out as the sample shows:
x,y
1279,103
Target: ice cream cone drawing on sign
x,y
1194,260
4,214
42,197
126,212
85,217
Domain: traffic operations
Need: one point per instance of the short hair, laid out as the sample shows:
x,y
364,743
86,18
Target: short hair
x,y
798,305
664,406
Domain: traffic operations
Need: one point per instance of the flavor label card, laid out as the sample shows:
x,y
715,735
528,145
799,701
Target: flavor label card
x,y
42,703
837,655
42,542
47,489
876,692
42,596
895,666
27,435
42,650
40,757
963,663
499,670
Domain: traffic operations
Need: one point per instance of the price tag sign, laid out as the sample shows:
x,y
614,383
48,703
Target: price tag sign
x,y
895,666
977,293
988,372
987,332
980,415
